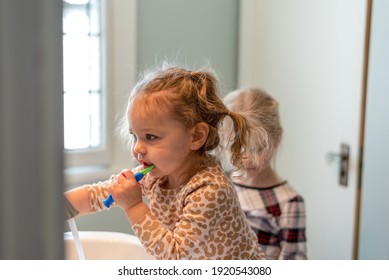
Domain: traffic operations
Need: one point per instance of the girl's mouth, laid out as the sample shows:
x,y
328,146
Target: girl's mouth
x,y
145,164
251,168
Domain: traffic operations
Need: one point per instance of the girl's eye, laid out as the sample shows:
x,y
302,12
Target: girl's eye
x,y
150,137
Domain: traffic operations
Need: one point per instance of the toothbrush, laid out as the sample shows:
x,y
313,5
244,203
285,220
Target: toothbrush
x,y
138,176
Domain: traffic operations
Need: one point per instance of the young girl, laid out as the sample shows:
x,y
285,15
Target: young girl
x,y
274,209
192,209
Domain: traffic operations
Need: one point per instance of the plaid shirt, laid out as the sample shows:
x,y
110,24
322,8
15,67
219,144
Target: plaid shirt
x,y
277,215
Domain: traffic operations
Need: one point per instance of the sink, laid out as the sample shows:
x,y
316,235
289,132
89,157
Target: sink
x,y
105,245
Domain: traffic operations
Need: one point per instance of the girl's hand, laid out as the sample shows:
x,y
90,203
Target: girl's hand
x,y
125,190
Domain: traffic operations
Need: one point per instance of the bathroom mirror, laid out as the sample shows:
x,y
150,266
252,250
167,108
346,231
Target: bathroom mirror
x,y
319,59
324,60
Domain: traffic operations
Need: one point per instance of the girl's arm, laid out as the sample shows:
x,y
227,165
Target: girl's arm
x,y
79,198
88,198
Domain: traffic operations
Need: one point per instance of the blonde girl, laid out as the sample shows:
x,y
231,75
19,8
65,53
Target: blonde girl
x,y
192,211
276,212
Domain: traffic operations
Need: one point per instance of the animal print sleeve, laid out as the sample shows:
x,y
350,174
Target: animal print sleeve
x,y
97,193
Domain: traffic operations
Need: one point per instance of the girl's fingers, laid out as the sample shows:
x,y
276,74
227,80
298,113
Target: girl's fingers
x,y
126,174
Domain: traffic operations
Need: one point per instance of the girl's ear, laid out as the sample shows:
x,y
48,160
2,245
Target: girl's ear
x,y
199,135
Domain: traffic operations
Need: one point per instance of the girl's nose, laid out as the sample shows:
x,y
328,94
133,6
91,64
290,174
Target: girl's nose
x,y
245,156
247,159
139,150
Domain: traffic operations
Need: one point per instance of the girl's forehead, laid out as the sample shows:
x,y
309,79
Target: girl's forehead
x,y
142,118
153,108
148,107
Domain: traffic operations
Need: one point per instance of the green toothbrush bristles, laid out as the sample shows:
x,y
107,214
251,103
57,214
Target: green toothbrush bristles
x,y
147,170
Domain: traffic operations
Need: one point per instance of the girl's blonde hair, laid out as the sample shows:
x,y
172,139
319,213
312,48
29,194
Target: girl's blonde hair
x,y
262,110
191,97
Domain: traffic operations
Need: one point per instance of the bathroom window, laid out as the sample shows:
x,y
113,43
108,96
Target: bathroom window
x,y
99,55
84,95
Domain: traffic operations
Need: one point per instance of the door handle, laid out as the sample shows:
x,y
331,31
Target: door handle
x,y
343,159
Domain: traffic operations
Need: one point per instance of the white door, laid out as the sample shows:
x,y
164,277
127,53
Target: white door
x,y
309,55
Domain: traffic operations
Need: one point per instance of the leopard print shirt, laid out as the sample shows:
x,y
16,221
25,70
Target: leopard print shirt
x,y
199,220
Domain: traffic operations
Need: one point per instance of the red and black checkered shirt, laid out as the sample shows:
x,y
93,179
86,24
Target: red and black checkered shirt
x,y
277,215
